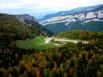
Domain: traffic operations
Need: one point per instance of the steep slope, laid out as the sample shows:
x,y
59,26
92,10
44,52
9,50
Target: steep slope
x,y
89,18
33,24
10,25
19,27
11,29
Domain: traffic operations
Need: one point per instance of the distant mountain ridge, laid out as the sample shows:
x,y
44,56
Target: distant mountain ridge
x,y
74,11
79,18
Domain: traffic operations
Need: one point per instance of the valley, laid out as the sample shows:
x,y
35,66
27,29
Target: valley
x,y
37,43
65,44
43,42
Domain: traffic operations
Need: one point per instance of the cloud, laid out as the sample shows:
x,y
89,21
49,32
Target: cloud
x,y
14,4
42,4
39,7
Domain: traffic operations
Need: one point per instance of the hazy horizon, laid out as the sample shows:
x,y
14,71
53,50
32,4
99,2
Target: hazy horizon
x,y
40,8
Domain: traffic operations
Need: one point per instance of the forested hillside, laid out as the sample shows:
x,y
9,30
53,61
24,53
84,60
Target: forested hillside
x,y
70,60
10,25
12,28
96,26
33,25
81,35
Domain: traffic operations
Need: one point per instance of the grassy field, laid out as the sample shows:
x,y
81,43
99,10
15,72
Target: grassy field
x,y
37,43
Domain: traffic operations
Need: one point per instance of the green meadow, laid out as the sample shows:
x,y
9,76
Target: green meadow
x,y
37,43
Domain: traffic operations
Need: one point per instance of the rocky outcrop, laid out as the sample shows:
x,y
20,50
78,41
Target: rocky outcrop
x,y
82,17
31,22
100,14
90,15
26,19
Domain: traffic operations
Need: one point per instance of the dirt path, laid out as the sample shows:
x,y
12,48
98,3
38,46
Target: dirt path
x,y
73,41
47,40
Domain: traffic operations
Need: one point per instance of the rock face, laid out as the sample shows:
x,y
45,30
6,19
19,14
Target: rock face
x,y
27,19
86,18
31,22
83,17
100,14
91,15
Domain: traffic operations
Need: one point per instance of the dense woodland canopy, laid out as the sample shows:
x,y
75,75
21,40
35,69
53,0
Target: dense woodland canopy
x,y
70,60
81,35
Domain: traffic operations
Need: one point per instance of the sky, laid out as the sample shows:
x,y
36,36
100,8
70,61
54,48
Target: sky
x,y
40,8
